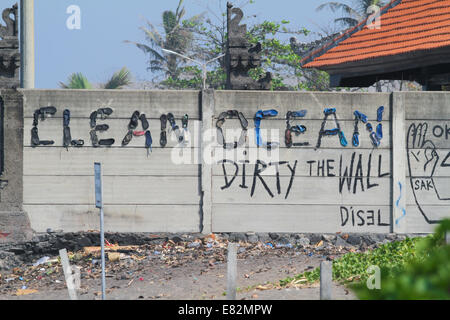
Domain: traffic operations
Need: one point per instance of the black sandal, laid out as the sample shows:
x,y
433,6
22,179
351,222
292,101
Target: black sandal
x,y
127,138
144,121
134,121
93,118
94,138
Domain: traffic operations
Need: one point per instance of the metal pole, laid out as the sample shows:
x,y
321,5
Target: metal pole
x,y
27,70
102,239
99,205
231,271
326,280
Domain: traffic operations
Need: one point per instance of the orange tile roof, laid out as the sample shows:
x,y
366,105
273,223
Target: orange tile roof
x,y
406,26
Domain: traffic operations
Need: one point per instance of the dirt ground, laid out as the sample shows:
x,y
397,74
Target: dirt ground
x,y
177,272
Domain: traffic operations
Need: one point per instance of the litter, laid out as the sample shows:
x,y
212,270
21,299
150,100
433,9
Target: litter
x,y
41,261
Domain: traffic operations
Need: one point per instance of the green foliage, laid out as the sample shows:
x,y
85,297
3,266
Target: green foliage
x,y
119,80
353,266
425,277
78,81
352,15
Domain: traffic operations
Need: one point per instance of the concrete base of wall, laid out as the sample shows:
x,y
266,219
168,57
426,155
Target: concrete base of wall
x,y
15,227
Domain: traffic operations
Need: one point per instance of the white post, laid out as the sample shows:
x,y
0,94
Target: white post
x,y
326,280
27,76
71,281
99,205
231,271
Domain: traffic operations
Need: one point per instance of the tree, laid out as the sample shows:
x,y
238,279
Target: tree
x,y
353,15
118,80
175,37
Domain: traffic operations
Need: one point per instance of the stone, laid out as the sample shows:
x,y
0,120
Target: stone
x,y
303,242
84,242
176,239
340,242
329,237
314,238
252,237
354,240
274,236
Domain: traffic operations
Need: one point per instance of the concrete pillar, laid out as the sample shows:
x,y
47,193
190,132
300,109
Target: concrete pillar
x,y
207,114
326,280
398,201
27,71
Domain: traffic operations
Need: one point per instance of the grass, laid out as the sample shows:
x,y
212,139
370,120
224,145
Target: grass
x,y
353,266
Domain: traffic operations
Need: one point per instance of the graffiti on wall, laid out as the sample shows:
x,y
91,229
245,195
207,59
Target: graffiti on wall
x,y
428,168
354,174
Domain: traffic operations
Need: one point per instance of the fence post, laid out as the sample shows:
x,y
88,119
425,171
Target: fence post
x,y
207,117
231,271
326,280
398,153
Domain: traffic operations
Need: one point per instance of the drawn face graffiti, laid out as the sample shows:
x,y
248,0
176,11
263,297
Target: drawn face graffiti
x,y
423,161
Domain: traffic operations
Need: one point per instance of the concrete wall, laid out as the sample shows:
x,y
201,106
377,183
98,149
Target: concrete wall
x,y
14,223
326,189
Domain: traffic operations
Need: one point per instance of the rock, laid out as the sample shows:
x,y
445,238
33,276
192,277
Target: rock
x,y
84,242
329,237
274,236
263,237
252,237
236,236
341,242
176,239
283,241
303,242
314,238
354,240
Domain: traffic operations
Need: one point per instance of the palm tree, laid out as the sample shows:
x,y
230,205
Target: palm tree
x,y
118,80
354,14
176,38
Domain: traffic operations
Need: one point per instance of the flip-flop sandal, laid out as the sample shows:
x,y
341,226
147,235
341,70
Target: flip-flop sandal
x,y
185,121
144,121
163,119
171,120
134,120
106,142
148,142
163,139
375,141
67,139
93,118
243,120
127,138
94,138
369,127
331,132
360,116
138,133
380,112
329,111
36,118
46,143
380,131
47,111
343,139
104,112
102,127
288,138
221,119
298,129
34,137
66,118
297,114
355,139
77,143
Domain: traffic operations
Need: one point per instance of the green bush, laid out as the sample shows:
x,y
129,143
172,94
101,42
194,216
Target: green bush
x,y
425,277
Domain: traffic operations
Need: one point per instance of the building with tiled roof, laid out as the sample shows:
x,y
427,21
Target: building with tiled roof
x,y
410,42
